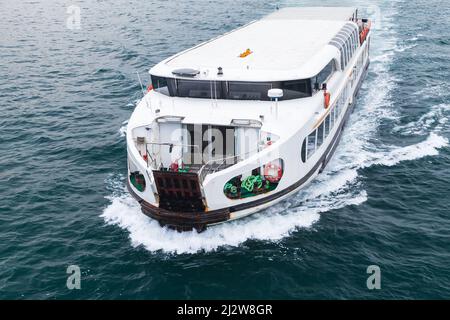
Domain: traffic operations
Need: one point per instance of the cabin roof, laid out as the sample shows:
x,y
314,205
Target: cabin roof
x,y
291,43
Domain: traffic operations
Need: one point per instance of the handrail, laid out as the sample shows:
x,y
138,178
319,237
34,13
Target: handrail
x,y
165,144
200,172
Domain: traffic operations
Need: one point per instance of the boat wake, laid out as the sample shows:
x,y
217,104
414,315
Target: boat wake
x,y
339,185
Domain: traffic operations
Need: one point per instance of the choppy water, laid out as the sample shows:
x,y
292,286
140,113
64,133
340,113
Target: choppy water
x,y
66,96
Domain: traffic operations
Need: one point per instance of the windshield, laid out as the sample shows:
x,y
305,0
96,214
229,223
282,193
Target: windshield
x,y
232,90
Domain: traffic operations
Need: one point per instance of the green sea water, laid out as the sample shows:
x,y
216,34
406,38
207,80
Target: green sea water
x,y
66,95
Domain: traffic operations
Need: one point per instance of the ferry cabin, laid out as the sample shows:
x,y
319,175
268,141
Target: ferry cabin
x,y
240,122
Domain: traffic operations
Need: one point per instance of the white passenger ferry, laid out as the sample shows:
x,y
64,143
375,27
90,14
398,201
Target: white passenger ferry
x,y
240,122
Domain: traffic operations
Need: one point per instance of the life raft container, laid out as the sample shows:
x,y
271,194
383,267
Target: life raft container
x,y
273,172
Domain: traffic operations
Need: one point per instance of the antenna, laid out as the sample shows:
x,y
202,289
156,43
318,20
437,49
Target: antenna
x,y
140,82
143,91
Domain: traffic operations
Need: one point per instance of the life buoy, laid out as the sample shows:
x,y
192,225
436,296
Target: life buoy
x,y
273,172
326,101
149,88
174,166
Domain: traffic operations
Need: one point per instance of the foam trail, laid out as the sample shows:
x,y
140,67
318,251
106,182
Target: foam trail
x,y
337,187
436,119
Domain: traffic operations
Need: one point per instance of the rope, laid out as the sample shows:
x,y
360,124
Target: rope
x,y
249,183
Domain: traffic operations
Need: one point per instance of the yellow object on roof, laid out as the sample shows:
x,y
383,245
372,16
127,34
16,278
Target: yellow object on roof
x,y
245,53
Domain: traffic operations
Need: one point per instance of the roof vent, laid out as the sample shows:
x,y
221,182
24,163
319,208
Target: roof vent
x,y
186,72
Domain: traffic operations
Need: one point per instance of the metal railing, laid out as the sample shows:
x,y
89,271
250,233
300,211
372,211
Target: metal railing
x,y
168,144
209,167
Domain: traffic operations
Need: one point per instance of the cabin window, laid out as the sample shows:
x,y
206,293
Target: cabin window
x,y
336,112
342,41
347,50
303,153
331,118
352,44
327,125
248,90
320,130
355,38
295,89
233,90
199,89
311,143
160,85
325,74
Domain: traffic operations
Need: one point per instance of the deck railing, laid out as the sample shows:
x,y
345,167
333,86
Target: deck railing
x,y
211,166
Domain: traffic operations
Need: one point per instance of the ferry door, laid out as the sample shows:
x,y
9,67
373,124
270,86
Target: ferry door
x,y
206,142
170,133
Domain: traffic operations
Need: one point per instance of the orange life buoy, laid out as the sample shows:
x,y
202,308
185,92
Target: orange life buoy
x,y
273,172
327,97
149,88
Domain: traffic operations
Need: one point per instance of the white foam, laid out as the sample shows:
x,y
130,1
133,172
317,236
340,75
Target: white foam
x,y
434,120
271,225
123,129
336,188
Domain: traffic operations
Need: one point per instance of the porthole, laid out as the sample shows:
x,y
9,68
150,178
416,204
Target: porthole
x,y
137,179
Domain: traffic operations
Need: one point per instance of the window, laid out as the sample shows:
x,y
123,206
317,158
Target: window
x,y
327,125
342,39
325,74
233,90
303,155
347,45
342,58
198,89
355,38
295,89
311,144
248,90
320,131
337,43
159,84
331,119
346,41
352,44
